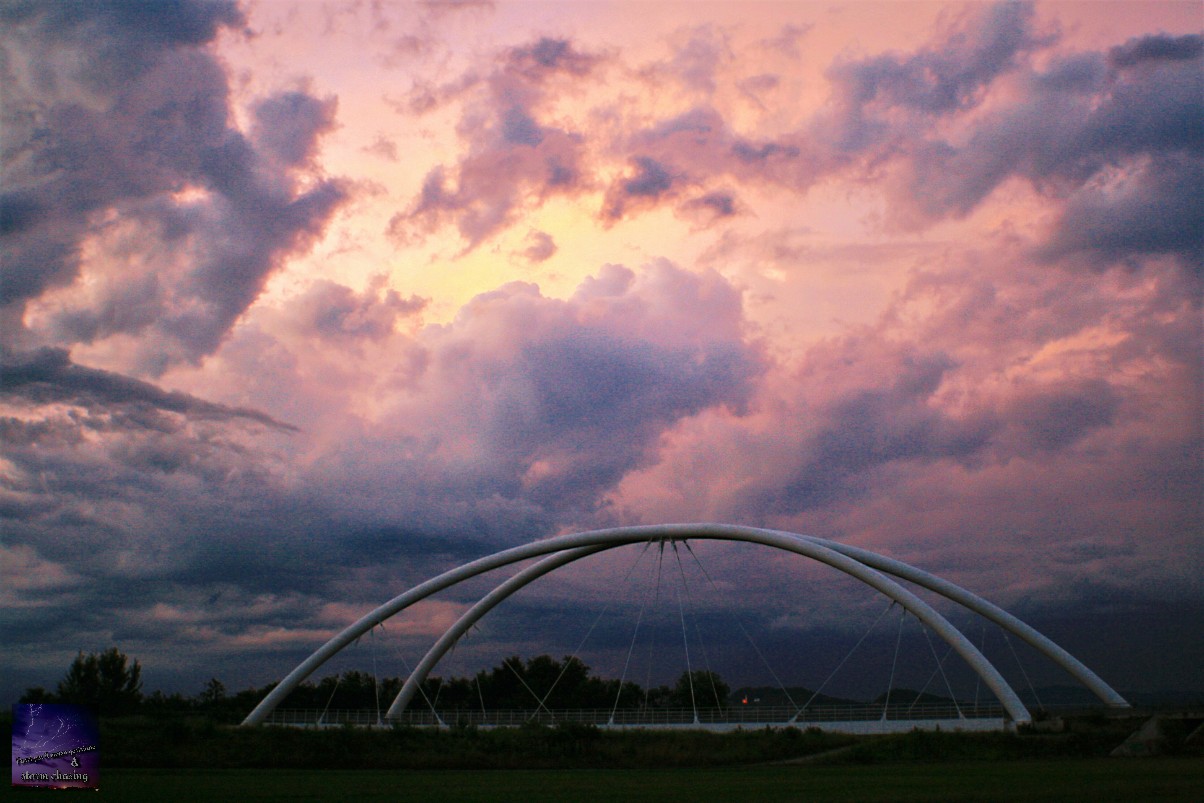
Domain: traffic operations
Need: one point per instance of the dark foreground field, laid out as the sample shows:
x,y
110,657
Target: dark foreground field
x,y
1036,780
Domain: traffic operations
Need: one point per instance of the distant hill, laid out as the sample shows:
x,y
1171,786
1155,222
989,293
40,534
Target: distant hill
x,y
773,695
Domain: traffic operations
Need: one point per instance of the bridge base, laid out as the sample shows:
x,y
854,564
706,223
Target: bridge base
x,y
853,727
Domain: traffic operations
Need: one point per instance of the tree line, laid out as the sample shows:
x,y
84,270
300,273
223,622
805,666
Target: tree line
x,y
110,683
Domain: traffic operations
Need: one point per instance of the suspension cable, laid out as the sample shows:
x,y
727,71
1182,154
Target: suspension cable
x,y
844,660
744,630
429,702
685,643
539,703
1031,687
480,695
609,605
894,662
697,627
375,678
631,648
337,680
940,667
660,559
982,645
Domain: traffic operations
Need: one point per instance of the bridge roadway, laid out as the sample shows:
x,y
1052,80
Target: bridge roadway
x,y
867,719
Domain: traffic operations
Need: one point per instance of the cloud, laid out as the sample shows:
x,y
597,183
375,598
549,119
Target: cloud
x,y
540,246
331,310
1014,404
288,124
513,162
522,412
559,399
955,429
1158,47
695,149
1105,136
698,54
1154,208
441,8
47,376
147,171
649,182
548,56
383,147
947,77
711,207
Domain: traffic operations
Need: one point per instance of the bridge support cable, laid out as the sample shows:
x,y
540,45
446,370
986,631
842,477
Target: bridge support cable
x,y
982,645
894,663
743,630
843,661
375,678
656,598
939,670
630,649
605,539
426,698
977,604
940,667
538,702
1020,664
470,617
337,680
480,694
610,604
685,642
706,658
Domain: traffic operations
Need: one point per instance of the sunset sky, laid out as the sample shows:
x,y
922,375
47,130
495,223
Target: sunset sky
x,y
304,302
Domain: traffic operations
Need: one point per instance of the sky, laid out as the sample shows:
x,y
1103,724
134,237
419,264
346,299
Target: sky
x,y
304,302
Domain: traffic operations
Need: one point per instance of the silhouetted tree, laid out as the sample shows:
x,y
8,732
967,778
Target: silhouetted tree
x,y
709,690
213,693
106,682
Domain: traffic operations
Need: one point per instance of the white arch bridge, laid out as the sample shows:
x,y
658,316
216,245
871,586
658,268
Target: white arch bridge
x,y
877,571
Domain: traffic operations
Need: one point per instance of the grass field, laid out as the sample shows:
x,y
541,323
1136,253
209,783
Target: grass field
x,y
1035,780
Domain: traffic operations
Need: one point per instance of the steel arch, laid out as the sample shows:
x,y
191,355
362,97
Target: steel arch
x,y
861,564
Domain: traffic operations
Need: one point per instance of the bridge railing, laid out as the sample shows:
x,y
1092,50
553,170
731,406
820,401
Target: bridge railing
x,y
733,715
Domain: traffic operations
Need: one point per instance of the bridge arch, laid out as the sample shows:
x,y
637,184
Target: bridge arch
x,y
868,567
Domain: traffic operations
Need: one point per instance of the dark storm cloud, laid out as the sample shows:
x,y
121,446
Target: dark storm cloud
x,y
1118,139
946,78
871,426
561,399
598,396
66,161
118,39
525,412
47,376
287,125
164,127
1159,47
1159,209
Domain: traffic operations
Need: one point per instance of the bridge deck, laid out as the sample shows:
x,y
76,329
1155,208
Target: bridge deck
x,y
838,719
